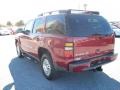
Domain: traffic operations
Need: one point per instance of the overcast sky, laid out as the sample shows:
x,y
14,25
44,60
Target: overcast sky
x,y
14,10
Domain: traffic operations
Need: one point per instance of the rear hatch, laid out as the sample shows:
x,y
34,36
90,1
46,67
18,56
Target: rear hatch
x,y
92,46
92,36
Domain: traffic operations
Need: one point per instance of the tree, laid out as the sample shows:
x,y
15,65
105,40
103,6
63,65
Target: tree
x,y
9,23
85,7
19,23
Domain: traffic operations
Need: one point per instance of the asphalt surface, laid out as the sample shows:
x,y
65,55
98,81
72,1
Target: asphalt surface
x,y
25,74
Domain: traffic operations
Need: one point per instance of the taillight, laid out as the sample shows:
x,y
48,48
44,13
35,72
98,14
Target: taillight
x,y
68,50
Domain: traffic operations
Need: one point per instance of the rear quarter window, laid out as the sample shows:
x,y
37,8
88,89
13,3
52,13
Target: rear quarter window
x,y
55,24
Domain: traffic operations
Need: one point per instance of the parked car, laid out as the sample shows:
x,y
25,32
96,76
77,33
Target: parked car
x,y
116,30
68,40
5,32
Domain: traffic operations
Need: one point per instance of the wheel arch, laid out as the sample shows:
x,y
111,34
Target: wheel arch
x,y
16,41
41,51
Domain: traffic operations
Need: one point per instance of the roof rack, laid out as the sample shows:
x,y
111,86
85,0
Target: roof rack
x,y
69,11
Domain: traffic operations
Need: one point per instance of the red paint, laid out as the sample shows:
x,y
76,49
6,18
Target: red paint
x,y
84,48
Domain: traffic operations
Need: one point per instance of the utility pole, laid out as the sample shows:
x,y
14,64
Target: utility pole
x,y
79,6
85,7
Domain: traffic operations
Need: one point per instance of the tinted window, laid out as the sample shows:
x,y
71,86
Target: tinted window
x,y
55,24
29,26
86,25
39,25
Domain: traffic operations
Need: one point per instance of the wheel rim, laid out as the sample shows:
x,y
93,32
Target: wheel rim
x,y
46,67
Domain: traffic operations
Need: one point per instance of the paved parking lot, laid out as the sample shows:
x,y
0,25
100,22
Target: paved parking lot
x,y
25,74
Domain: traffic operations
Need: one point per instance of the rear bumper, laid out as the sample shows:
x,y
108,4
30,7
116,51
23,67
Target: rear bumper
x,y
82,65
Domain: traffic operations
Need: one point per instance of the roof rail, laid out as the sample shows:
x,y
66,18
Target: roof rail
x,y
69,11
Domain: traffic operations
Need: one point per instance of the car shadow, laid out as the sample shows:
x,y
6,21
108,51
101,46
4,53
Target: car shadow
x,y
27,75
9,87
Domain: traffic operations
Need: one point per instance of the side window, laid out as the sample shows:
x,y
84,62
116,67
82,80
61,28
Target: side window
x,y
55,24
29,26
39,25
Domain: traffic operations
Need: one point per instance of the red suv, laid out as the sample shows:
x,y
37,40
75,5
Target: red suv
x,y
69,40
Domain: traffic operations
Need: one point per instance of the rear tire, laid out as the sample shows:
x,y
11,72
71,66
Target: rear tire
x,y
47,66
19,52
99,69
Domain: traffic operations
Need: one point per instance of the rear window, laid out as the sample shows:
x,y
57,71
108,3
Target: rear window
x,y
87,25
